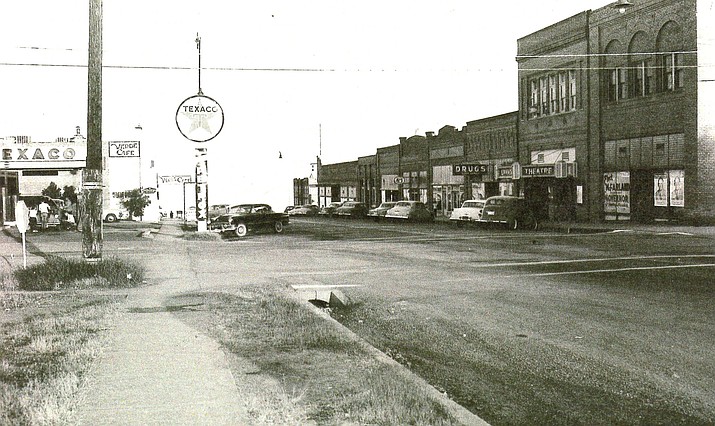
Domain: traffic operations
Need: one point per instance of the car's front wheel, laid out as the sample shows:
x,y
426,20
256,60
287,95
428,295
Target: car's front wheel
x,y
241,230
111,217
278,227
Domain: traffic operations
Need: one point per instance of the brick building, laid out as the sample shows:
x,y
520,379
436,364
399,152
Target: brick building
x,y
615,121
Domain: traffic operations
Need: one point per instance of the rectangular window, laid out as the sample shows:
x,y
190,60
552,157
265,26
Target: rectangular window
x,y
611,85
543,92
572,90
563,92
637,79
553,98
622,83
672,71
534,103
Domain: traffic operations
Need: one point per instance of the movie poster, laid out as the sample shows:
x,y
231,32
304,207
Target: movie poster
x,y
677,181
660,190
617,193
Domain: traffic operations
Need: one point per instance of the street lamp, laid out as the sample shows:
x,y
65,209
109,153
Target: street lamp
x,y
622,5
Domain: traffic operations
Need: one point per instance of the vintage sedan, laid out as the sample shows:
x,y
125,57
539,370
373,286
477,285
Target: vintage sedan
x,y
305,210
352,209
329,210
410,210
470,212
510,211
244,218
379,212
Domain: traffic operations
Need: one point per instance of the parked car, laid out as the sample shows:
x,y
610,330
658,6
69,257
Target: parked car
x,y
510,211
329,210
57,219
470,212
352,209
216,210
305,210
113,214
379,212
244,218
410,210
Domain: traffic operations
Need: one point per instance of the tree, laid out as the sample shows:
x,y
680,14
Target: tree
x,y
52,191
70,193
135,202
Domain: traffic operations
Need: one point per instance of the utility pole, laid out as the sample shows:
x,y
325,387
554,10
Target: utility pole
x,y
92,193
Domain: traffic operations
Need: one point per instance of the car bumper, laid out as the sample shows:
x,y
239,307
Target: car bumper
x,y
221,227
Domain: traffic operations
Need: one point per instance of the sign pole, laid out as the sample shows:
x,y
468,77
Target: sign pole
x,y
92,193
22,221
200,118
24,251
202,186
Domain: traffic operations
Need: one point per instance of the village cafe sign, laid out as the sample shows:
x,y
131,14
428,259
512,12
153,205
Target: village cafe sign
x,y
199,118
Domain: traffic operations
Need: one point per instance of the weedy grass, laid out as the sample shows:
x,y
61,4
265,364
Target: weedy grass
x,y
49,339
321,375
47,344
59,273
201,236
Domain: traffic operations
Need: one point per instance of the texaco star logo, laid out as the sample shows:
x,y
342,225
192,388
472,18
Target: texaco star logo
x,y
199,118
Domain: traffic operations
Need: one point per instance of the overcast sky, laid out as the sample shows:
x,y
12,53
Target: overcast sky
x,y
366,72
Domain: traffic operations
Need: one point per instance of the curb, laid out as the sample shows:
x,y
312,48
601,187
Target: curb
x,y
461,414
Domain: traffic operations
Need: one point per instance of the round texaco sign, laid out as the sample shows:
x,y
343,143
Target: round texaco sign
x,y
199,118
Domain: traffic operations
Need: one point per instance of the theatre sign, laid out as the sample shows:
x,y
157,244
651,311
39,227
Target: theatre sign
x,y
43,155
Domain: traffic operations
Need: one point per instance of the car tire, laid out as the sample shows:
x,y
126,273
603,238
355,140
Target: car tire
x,y
241,230
110,218
278,227
512,224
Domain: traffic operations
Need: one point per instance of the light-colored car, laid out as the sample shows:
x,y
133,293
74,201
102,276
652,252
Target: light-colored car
x,y
379,212
510,211
416,211
470,212
113,214
305,210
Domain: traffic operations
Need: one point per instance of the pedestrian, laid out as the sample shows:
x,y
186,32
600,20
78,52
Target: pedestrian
x,y
44,209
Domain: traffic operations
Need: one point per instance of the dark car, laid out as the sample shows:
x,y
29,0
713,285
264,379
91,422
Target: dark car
x,y
329,210
243,218
353,209
414,211
305,210
379,212
513,212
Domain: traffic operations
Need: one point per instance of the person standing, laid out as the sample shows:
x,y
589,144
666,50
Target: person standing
x,y
44,209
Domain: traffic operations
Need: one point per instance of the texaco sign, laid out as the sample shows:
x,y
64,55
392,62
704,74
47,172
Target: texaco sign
x,y
199,118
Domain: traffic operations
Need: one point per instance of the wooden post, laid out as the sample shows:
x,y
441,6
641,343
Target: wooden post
x,y
92,195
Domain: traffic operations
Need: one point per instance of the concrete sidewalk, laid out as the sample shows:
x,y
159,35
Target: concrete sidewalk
x,y
156,369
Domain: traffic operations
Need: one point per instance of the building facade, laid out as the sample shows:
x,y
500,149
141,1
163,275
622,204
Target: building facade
x,y
615,122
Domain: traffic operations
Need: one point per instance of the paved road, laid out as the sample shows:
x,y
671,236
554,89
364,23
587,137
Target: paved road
x,y
551,287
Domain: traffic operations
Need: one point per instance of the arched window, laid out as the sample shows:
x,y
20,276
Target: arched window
x,y
670,57
641,68
614,74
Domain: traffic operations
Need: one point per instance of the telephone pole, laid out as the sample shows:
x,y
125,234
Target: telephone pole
x,y
92,193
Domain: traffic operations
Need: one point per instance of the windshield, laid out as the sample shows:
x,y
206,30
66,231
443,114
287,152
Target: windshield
x,y
473,204
241,209
403,204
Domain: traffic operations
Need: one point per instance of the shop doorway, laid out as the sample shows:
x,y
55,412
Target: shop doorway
x,y
551,199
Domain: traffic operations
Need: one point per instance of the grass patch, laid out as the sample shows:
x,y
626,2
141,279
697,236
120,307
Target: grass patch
x,y
321,375
201,236
59,273
47,344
